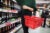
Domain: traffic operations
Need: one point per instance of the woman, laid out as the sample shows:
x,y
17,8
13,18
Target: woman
x,y
27,7
44,14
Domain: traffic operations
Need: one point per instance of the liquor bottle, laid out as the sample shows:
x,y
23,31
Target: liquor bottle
x,y
3,29
1,3
0,30
6,28
0,17
5,2
8,2
0,20
10,27
12,5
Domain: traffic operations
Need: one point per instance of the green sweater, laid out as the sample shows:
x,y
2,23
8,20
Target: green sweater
x,y
30,3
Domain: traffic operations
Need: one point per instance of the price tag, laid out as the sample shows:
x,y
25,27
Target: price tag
x,y
8,24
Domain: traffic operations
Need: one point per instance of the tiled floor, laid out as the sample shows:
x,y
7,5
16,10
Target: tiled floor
x,y
20,31
42,30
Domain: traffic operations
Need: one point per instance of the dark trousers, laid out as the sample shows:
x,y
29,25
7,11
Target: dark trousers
x,y
25,29
44,22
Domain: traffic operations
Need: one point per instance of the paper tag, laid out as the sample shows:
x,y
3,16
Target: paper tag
x,y
32,13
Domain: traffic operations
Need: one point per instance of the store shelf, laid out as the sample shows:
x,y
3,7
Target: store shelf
x,y
0,18
17,20
3,25
5,5
10,11
16,29
9,16
41,2
0,9
49,10
40,7
14,1
4,17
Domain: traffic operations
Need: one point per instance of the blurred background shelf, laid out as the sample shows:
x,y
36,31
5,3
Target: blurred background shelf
x,y
16,29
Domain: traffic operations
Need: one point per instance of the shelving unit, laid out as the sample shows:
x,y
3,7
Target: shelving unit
x,y
42,1
9,18
15,29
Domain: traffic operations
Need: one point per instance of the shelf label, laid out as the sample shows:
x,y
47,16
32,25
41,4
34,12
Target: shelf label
x,y
8,24
13,11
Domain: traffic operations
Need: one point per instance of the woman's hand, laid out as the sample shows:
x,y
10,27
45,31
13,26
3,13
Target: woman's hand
x,y
28,8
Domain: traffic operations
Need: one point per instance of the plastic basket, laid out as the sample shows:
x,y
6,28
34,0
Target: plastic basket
x,y
33,21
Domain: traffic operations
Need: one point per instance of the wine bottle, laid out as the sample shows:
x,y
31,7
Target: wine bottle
x,y
0,30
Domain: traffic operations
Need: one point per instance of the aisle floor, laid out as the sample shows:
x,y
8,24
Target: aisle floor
x,y
44,30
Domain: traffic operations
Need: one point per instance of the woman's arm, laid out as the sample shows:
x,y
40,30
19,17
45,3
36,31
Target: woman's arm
x,y
27,7
24,4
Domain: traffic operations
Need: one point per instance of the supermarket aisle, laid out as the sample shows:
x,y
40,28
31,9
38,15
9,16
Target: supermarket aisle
x,y
20,31
42,30
46,30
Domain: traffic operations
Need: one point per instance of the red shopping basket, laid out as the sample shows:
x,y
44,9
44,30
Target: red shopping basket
x,y
33,21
